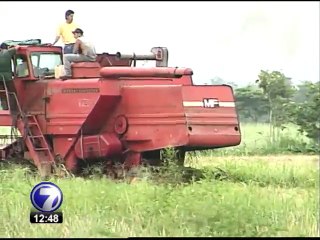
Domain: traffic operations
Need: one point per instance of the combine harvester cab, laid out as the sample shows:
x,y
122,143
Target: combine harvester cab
x,y
110,109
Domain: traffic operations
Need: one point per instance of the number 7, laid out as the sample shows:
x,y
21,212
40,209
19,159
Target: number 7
x,y
52,193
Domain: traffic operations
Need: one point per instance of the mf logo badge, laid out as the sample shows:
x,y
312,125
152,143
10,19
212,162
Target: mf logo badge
x,y
210,103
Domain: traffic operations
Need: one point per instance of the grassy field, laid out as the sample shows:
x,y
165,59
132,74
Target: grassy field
x,y
241,195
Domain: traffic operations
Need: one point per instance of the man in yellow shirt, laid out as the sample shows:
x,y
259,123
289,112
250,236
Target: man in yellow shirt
x,y
65,31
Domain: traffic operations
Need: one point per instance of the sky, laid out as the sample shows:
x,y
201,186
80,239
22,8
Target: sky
x,y
229,40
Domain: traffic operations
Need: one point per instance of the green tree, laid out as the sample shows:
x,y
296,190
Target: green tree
x,y
279,91
251,103
307,113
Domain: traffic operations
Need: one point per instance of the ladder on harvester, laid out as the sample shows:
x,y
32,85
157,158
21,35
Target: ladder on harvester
x,y
30,130
37,144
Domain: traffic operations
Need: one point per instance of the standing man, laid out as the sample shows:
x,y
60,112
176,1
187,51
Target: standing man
x,y
83,51
6,55
65,31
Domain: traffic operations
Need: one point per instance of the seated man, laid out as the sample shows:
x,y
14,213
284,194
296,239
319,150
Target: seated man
x,y
83,51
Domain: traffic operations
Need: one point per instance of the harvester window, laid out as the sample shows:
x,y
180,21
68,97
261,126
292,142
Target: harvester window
x,y
22,66
44,63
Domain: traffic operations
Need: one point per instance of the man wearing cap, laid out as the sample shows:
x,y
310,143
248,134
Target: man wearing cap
x,y
83,51
65,31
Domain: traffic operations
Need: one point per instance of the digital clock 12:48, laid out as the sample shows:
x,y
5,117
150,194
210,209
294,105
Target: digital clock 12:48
x,y
46,217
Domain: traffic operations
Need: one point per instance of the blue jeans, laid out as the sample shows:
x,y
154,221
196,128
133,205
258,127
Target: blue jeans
x,y
68,48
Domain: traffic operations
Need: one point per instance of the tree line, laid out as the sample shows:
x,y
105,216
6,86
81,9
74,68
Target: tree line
x,y
275,100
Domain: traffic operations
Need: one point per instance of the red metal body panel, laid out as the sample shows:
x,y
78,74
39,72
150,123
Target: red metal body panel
x,y
155,116
211,126
5,118
98,146
92,70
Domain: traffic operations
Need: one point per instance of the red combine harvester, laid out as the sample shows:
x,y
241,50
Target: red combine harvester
x,y
112,109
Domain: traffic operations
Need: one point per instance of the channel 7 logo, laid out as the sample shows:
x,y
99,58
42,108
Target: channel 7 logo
x,y
47,198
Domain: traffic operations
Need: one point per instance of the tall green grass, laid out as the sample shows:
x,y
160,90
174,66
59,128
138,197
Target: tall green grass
x,y
282,171
252,197
238,195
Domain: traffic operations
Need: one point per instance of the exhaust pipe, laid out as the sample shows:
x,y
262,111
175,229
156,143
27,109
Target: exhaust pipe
x,y
159,54
117,72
